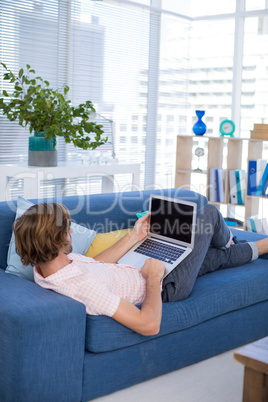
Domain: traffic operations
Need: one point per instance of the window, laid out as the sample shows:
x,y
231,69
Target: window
x,y
134,140
73,42
195,8
255,4
123,127
169,142
170,118
102,51
211,48
254,89
169,129
29,32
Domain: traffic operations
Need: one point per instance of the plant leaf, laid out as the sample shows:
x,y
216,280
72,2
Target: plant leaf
x,y
5,93
66,89
20,72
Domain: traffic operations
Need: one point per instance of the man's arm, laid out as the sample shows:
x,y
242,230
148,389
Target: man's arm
x,y
146,321
115,252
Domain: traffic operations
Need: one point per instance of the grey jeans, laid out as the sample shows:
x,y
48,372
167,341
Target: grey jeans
x,y
212,252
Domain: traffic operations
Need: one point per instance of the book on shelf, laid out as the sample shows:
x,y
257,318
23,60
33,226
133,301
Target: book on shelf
x,y
256,170
262,187
217,178
220,178
240,176
212,185
237,186
257,225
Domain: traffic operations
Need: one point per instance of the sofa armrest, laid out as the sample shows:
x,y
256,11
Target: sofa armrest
x,y
42,343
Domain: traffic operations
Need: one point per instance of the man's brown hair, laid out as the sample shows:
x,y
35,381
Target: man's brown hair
x,y
41,231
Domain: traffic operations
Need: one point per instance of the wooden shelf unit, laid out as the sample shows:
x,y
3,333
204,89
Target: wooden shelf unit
x,y
228,153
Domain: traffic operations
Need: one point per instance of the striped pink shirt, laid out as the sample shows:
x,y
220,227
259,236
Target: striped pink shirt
x,y
98,285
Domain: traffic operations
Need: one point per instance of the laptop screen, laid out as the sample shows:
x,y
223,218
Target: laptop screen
x,y
171,219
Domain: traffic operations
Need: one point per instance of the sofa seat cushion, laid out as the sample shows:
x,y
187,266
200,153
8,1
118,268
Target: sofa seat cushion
x,y
214,294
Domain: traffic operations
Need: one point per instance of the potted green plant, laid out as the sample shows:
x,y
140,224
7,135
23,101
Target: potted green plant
x,y
48,114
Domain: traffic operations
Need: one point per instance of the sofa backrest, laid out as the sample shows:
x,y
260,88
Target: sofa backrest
x,y
100,212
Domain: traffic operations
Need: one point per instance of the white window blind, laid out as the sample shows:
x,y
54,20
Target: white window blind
x,y
30,33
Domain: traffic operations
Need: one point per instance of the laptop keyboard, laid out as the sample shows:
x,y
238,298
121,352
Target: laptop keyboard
x,y
160,251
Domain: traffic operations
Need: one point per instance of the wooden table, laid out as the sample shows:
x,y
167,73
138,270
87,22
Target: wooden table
x,y
255,359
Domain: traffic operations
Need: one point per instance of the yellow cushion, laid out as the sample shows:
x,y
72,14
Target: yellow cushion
x,y
102,241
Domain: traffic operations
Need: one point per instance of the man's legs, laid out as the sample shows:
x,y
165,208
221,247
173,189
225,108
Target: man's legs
x,y
211,252
234,256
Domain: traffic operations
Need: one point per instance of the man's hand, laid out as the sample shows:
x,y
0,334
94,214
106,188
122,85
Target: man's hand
x,y
115,252
153,267
147,320
141,227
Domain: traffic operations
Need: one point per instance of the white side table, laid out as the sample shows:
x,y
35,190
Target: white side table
x,y
32,176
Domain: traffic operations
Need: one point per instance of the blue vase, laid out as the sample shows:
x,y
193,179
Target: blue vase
x,y
199,128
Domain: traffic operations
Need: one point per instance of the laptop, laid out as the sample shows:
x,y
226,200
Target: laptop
x,y
170,236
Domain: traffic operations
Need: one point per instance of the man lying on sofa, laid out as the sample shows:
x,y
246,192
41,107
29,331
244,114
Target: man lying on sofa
x,y
43,239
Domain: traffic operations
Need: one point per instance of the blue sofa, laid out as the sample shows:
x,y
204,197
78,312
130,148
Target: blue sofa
x,y
50,350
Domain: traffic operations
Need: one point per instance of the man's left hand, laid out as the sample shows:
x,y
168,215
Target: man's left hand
x,y
141,227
